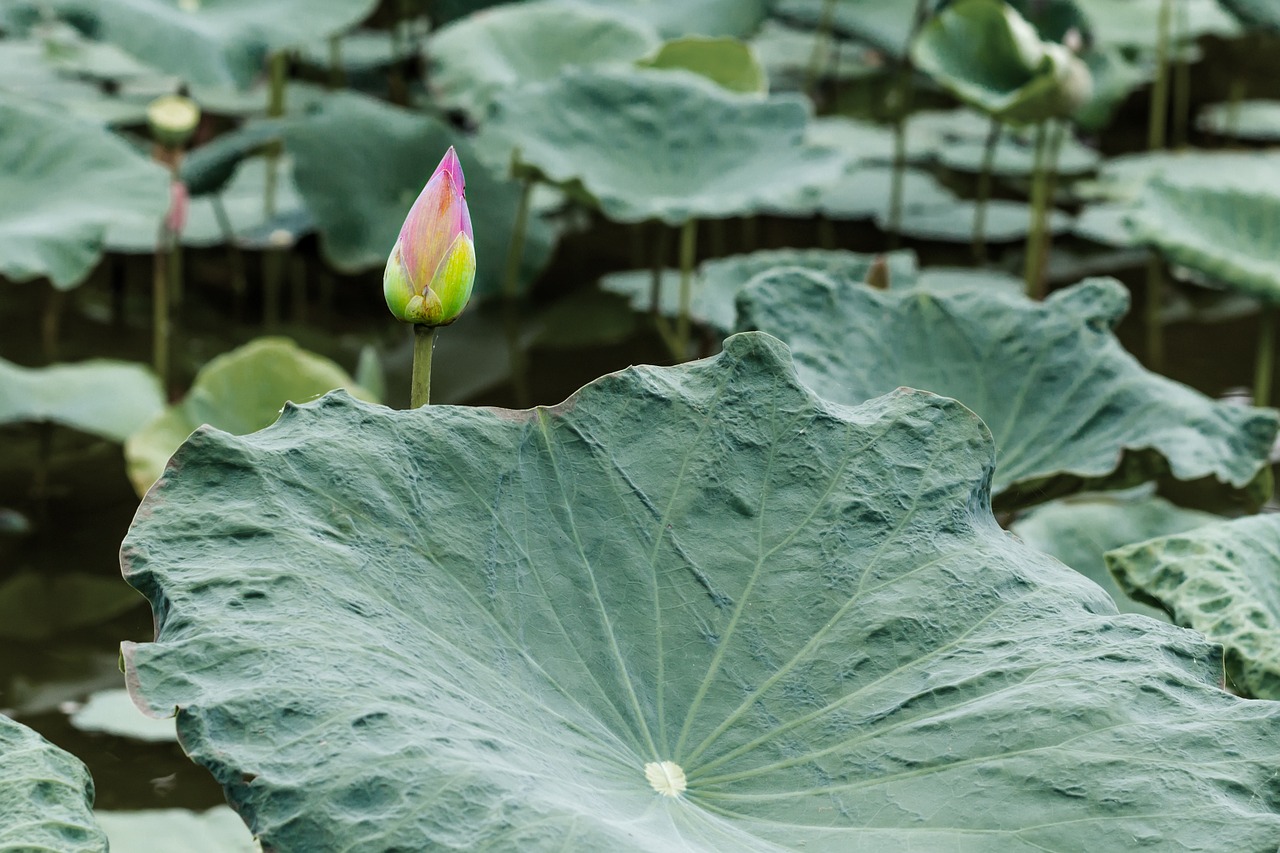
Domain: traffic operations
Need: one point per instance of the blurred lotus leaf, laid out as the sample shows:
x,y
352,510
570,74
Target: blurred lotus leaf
x,y
238,392
113,712
1257,121
100,397
677,18
45,796
671,145
66,184
218,830
986,54
359,186
484,629
1260,14
1133,23
1221,580
1069,407
1080,530
482,55
786,53
885,26
727,61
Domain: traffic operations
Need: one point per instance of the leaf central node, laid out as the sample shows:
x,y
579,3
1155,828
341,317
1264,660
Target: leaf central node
x,y
666,777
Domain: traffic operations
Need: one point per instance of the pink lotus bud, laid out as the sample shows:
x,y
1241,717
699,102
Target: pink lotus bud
x,y
179,203
432,266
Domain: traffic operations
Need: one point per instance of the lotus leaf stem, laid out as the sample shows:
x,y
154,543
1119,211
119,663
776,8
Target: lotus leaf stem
x,y
984,191
1181,82
1235,97
51,323
688,246
272,264
235,258
515,249
661,247
160,311
1152,312
1156,124
424,341
901,94
337,73
1266,355
1048,143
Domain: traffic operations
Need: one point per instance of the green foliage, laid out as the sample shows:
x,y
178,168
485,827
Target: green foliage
x,y
1079,531
106,398
478,57
727,61
1221,580
1257,121
63,185
240,392
45,796
713,154
1069,407
476,628
218,830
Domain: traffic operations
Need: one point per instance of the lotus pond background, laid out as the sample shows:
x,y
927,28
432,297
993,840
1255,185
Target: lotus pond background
x,y
1062,214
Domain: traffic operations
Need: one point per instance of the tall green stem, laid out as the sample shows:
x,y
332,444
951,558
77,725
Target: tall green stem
x,y
984,191
1181,81
424,341
1266,356
1158,119
235,258
337,73
272,262
820,39
160,312
1039,208
688,245
515,249
1152,311
902,92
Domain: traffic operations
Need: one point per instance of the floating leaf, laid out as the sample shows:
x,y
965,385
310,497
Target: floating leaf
x,y
866,191
241,392
45,796
1133,23
100,397
67,182
218,830
886,26
216,42
1257,121
1068,406
1006,221
1079,531
676,18
359,186
1016,158
725,61
113,712
717,282
1221,580
712,155
498,630
787,53
479,56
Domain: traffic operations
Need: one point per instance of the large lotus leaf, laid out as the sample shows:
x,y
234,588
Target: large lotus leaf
x,y
1079,531
866,192
483,629
45,796
727,61
1258,121
676,18
100,397
1065,401
987,54
1016,158
213,41
1226,232
716,283
671,145
218,830
1262,14
480,56
1220,579
360,186
1006,221
787,54
63,183
240,392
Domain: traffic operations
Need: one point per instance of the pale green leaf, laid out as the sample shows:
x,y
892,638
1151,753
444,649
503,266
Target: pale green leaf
x,y
729,62
100,397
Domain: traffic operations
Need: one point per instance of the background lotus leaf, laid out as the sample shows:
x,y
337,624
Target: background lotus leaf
x,y
477,57
45,796
1224,231
1221,580
1255,13
886,26
727,61
479,626
63,184
985,53
359,186
218,830
100,397
718,281
712,154
241,392
1133,23
213,41
1080,530
1067,404
1257,121
676,18
113,712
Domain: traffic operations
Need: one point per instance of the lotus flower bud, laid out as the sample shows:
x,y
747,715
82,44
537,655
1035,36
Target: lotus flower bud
x,y
433,263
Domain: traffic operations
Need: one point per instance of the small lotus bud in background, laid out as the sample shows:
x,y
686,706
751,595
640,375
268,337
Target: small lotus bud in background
x,y
172,119
432,266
